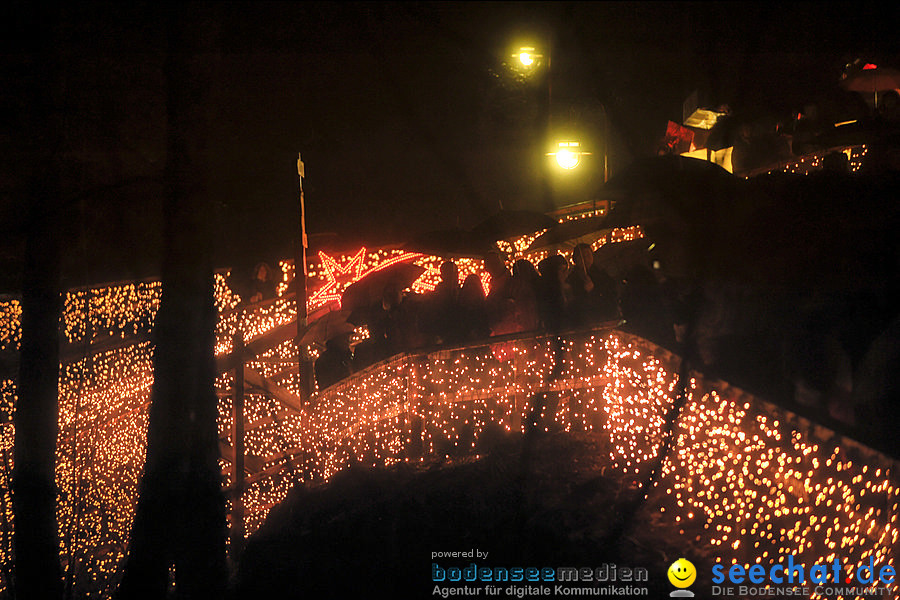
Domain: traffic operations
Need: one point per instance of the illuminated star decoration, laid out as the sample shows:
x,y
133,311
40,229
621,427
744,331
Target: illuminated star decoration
x,y
338,277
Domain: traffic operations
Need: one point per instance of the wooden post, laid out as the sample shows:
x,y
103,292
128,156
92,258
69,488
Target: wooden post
x,y
301,293
237,460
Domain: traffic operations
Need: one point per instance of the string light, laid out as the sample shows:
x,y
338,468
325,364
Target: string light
x,y
10,324
810,163
754,482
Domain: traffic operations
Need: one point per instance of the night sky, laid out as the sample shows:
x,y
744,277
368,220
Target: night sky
x,y
406,117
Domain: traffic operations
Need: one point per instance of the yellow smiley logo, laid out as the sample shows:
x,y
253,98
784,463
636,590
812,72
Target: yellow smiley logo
x,y
682,573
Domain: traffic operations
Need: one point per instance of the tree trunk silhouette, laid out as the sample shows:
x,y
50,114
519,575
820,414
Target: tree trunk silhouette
x,y
180,518
37,567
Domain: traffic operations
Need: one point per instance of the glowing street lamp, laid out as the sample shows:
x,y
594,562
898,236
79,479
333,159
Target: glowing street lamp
x,y
567,159
568,154
527,58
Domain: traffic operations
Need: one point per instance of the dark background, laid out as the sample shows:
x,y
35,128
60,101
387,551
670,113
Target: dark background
x,y
405,114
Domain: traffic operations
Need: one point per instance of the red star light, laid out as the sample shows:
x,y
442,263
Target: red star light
x,y
338,278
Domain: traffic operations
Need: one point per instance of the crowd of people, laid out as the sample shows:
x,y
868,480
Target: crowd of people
x,y
559,293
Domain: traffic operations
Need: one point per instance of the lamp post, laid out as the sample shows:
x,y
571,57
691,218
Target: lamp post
x,y
568,154
301,292
527,61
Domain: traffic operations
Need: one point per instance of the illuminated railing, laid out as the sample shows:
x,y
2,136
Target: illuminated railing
x,y
810,163
751,480
104,391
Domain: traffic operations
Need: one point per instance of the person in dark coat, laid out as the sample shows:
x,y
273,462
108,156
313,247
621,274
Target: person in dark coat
x,y
581,282
335,361
498,302
523,289
555,296
443,306
472,321
399,323
262,285
594,296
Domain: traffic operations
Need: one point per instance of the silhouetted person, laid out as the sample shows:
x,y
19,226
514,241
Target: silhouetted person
x,y
472,321
606,295
555,296
377,319
262,285
498,302
889,107
401,320
644,309
523,289
443,305
335,362
593,290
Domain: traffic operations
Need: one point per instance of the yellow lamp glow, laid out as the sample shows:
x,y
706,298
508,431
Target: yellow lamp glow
x,y
527,57
567,159
568,154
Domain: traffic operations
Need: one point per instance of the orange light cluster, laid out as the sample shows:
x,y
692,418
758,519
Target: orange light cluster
x,y
518,247
814,162
10,324
104,402
333,274
125,309
120,310
760,485
751,483
624,234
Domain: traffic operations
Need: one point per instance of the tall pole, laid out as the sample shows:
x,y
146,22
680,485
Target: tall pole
x,y
34,497
301,292
237,460
545,125
605,144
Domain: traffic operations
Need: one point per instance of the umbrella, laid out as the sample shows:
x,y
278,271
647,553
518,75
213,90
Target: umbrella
x,y
452,243
669,190
566,235
872,81
617,257
684,206
507,224
326,327
370,289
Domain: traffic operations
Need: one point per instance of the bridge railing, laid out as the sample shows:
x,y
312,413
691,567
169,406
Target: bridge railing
x,y
745,478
